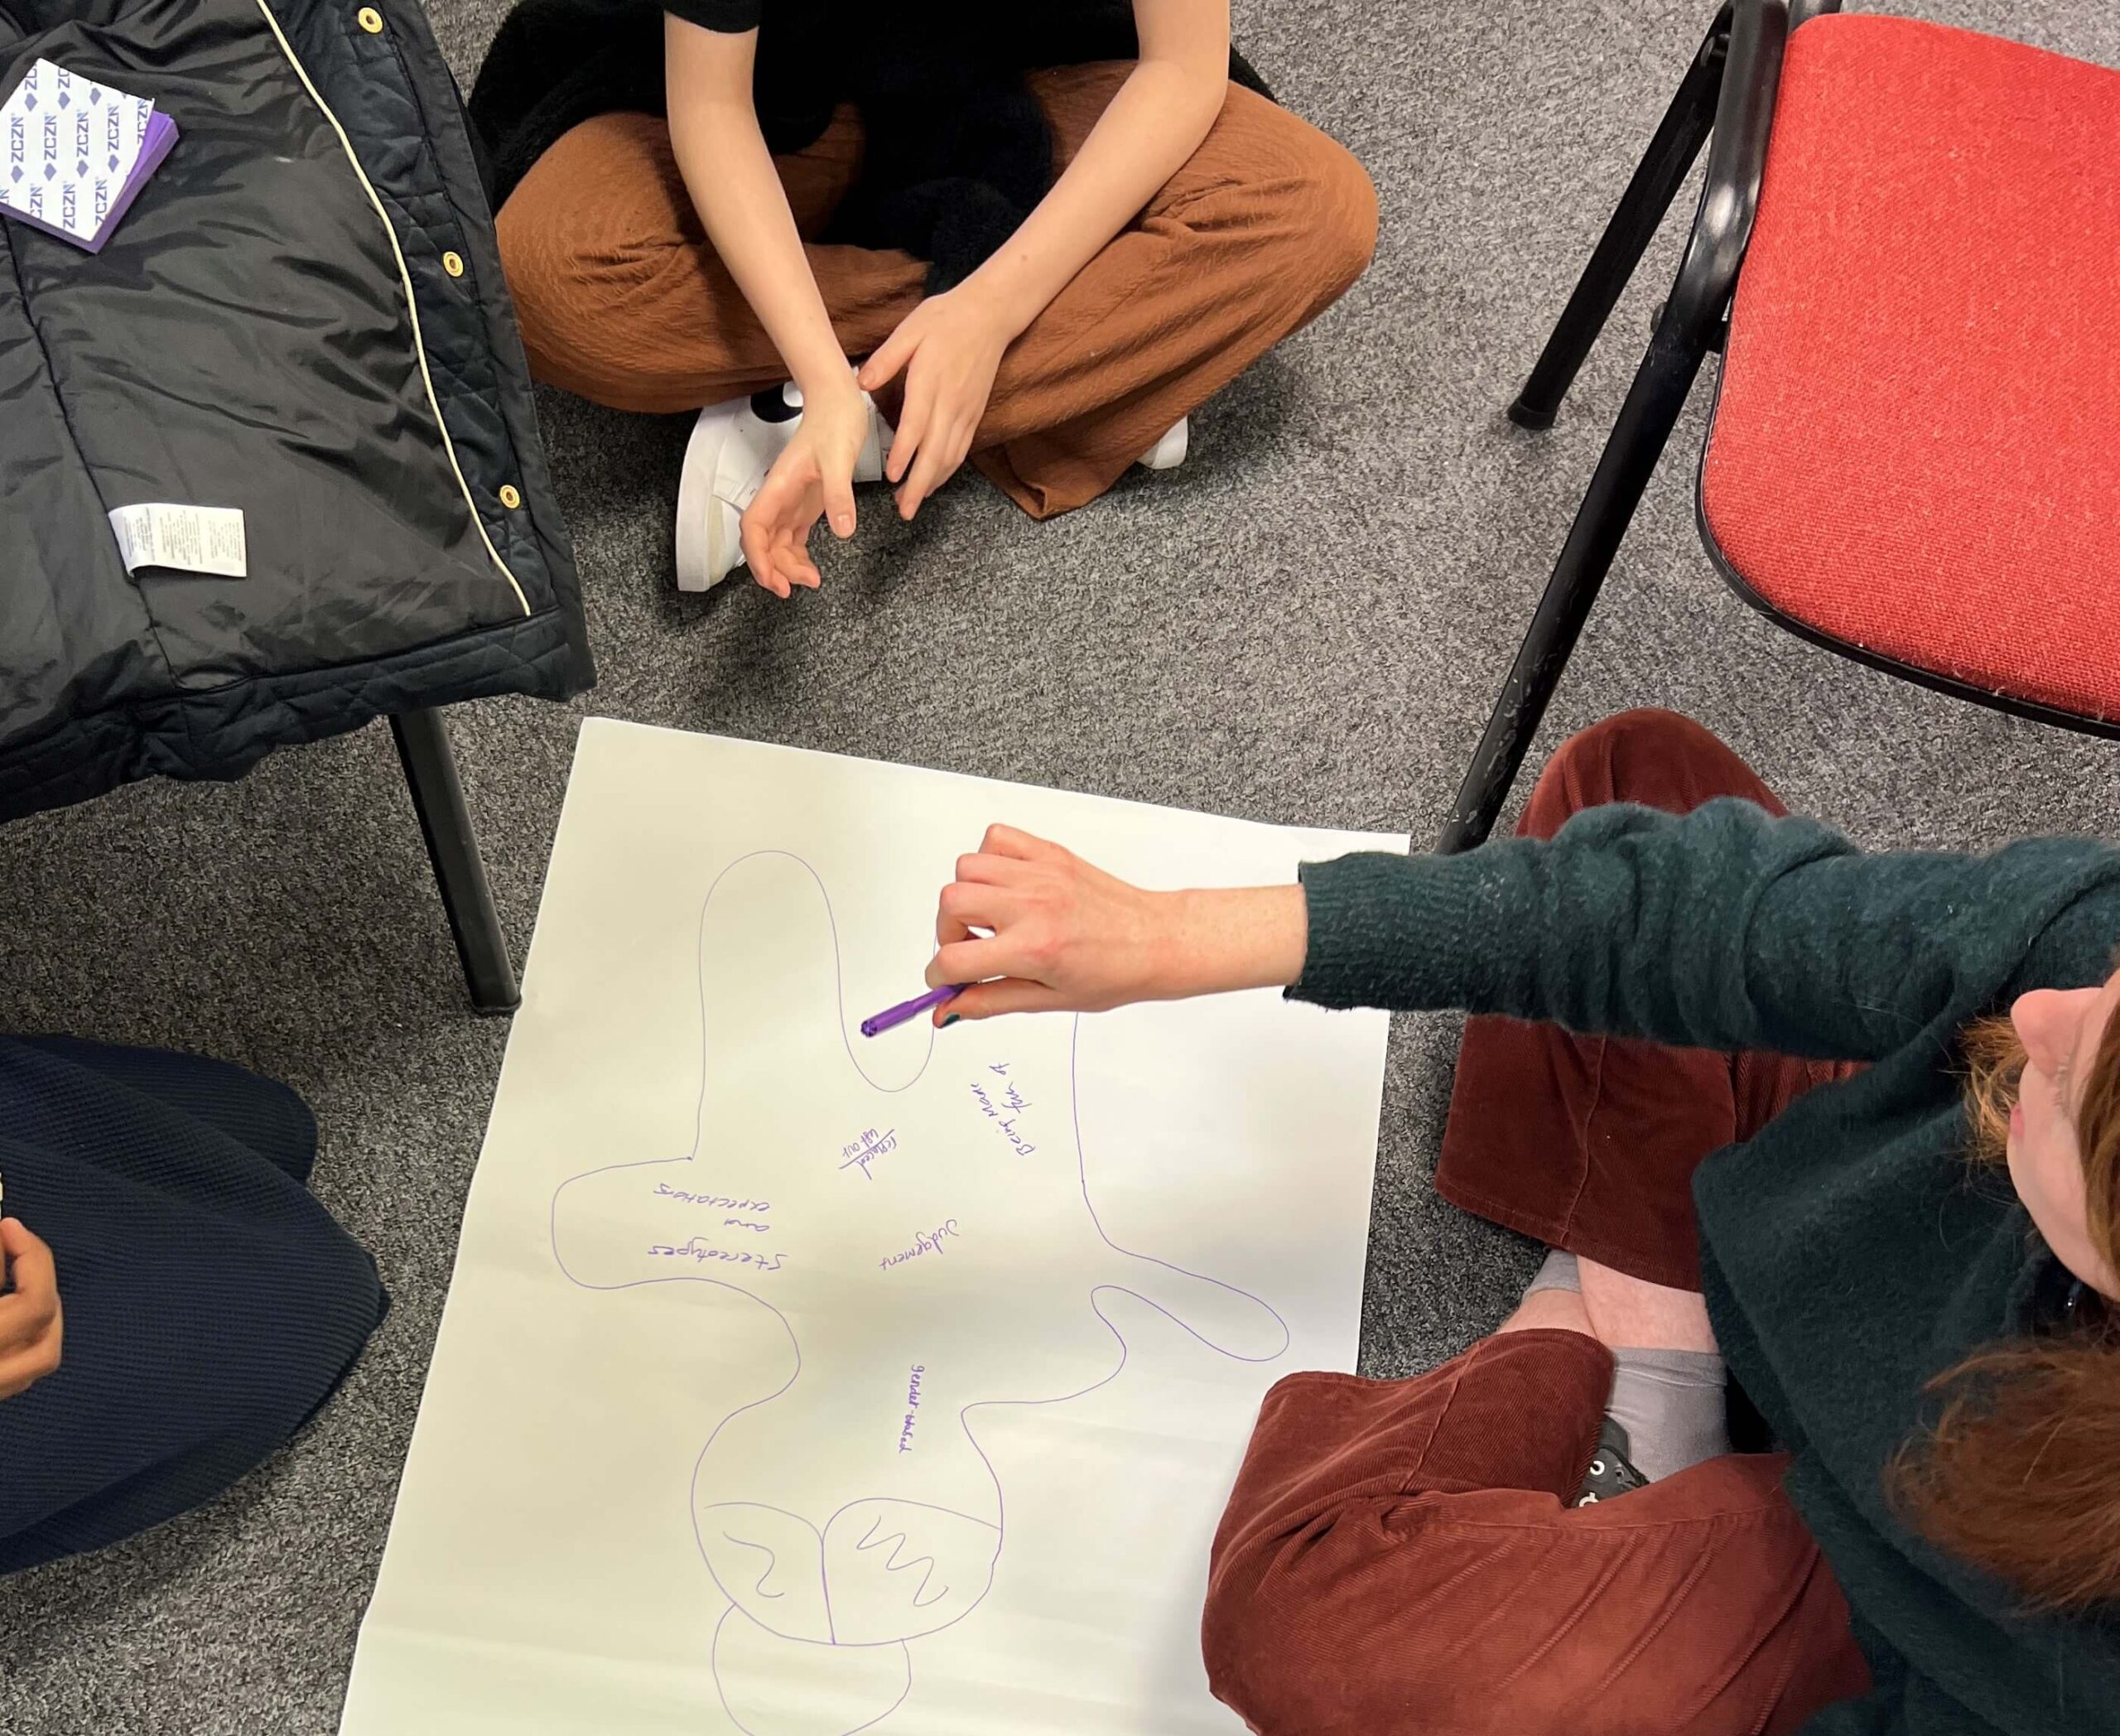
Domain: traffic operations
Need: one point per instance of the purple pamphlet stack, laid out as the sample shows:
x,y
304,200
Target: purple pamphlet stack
x,y
76,153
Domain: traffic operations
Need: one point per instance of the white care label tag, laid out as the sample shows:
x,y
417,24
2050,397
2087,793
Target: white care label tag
x,y
205,539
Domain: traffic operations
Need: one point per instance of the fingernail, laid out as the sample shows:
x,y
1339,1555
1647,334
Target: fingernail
x,y
950,1019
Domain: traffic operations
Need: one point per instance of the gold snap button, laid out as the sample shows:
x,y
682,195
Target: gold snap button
x,y
369,20
509,497
453,263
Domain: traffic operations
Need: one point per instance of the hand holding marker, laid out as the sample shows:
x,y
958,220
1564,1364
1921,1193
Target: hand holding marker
x,y
892,1016
1026,926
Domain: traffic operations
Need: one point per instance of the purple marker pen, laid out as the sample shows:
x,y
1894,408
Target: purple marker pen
x,y
892,1016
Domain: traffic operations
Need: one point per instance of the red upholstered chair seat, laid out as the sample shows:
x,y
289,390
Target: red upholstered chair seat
x,y
1916,445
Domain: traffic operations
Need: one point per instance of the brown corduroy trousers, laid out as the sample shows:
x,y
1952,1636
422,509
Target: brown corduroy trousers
x,y
1400,1556
622,300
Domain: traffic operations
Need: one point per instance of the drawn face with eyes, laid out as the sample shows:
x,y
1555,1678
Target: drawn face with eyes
x,y
902,1245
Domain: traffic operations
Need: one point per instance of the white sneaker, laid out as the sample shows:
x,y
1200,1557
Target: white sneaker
x,y
733,444
1168,453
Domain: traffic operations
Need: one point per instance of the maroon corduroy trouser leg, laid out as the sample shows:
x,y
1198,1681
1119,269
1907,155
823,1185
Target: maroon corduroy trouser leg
x,y
1400,1556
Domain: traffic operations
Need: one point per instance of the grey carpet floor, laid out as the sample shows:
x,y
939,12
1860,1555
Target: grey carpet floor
x,y
1305,624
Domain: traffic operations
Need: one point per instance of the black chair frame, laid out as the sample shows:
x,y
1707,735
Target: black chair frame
x,y
1728,92
459,872
1727,95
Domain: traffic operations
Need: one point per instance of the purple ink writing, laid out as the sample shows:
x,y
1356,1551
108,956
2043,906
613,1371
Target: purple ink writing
x,y
1003,1105
912,1405
1011,1097
721,1201
928,1242
860,1154
888,1528
698,1249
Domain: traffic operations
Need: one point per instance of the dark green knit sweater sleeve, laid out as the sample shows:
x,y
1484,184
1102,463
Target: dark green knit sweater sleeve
x,y
1724,928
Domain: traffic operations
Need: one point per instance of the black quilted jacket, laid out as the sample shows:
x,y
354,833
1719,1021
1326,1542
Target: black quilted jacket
x,y
303,317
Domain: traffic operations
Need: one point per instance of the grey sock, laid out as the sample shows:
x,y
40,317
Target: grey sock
x,y
1558,1273
1671,1402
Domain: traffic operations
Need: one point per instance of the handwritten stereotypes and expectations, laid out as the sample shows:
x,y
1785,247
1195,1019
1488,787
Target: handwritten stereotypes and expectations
x,y
745,1217
997,1098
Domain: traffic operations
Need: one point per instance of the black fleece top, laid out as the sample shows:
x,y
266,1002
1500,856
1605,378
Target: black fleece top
x,y
813,55
955,153
1849,1252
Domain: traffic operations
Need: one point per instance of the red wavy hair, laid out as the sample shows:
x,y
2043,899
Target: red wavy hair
x,y
2020,1472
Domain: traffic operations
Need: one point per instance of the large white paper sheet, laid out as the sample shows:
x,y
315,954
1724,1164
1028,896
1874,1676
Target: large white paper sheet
x,y
795,1383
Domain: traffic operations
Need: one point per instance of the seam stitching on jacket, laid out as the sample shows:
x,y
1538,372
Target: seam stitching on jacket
x,y
488,390
405,283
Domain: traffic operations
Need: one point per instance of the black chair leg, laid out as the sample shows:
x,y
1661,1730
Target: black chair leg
x,y
1651,411
1684,128
452,848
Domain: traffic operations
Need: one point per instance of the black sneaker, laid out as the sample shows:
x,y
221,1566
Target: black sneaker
x,y
1610,1471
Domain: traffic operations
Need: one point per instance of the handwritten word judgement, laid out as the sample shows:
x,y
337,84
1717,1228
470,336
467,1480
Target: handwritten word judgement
x,y
912,1405
698,1249
928,1242
860,1154
1001,1103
